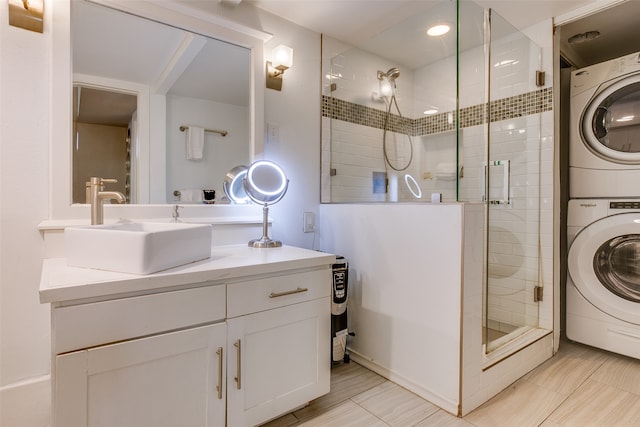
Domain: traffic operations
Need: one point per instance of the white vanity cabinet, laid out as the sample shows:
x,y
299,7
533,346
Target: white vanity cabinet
x,y
164,380
140,361
246,344
278,351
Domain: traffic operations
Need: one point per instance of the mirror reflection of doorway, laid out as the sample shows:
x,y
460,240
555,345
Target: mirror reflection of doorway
x,y
103,124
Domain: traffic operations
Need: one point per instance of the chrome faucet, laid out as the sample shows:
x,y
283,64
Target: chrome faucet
x,y
176,215
97,196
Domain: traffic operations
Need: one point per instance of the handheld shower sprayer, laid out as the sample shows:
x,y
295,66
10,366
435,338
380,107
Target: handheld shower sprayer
x,y
391,75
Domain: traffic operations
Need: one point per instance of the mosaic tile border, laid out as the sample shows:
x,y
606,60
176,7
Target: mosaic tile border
x,y
534,102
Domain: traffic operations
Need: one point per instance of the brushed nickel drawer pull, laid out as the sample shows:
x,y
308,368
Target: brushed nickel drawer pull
x,y
219,385
281,294
238,368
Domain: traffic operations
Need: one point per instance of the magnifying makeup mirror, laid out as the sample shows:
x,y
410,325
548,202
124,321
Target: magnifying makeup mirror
x,y
413,186
233,185
265,183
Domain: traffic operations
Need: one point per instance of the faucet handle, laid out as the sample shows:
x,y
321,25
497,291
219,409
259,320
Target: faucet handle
x,y
101,181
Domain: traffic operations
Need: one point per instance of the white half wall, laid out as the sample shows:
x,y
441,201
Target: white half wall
x,y
405,293
416,300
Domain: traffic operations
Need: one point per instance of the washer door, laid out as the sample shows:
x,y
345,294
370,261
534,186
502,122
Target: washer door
x,y
604,264
611,121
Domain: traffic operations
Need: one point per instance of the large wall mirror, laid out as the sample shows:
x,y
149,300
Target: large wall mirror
x,y
142,76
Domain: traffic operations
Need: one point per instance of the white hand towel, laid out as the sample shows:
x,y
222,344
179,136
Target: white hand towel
x,y
195,143
191,195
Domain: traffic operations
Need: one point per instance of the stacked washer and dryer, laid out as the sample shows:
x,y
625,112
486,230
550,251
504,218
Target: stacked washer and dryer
x,y
603,217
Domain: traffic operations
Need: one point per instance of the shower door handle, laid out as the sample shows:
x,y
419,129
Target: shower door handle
x,y
506,183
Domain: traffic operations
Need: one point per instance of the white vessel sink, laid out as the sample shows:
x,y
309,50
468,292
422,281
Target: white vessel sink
x,y
137,247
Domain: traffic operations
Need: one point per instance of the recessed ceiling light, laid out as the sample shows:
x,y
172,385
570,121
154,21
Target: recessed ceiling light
x,y
438,30
430,111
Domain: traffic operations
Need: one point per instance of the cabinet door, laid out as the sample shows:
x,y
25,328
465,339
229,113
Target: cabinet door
x,y
165,380
277,361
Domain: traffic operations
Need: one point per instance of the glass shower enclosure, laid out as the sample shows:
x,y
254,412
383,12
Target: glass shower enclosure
x,y
459,119
512,193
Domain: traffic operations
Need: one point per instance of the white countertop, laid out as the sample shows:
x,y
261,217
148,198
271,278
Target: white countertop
x,y
60,282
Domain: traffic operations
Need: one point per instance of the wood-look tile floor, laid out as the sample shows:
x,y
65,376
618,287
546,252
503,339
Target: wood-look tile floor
x,y
579,386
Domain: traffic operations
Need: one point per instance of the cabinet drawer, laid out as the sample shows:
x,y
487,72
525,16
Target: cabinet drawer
x,y
264,294
88,325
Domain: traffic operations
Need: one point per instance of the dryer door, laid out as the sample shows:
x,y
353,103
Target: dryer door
x,y
611,121
604,264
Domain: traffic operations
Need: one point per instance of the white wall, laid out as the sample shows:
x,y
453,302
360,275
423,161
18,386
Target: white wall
x,y
219,151
296,111
24,175
24,86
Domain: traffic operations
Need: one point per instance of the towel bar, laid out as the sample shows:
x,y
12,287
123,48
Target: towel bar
x,y
221,132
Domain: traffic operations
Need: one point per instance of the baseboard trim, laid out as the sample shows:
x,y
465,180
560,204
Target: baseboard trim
x,y
435,398
26,403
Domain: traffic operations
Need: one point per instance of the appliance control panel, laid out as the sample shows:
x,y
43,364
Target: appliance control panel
x,y
625,204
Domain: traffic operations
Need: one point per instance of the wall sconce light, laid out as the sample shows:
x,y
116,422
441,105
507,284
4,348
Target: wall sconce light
x,y
27,14
282,59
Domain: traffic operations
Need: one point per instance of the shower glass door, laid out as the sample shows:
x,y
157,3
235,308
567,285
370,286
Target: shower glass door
x,y
511,184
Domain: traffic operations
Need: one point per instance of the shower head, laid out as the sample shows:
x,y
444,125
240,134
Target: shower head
x,y
388,81
390,75
393,73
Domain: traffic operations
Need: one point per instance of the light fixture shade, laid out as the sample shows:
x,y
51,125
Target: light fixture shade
x,y
28,15
282,57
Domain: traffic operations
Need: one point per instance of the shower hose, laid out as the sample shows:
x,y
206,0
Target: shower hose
x,y
384,137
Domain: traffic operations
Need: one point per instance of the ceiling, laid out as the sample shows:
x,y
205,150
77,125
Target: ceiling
x,y
358,21
101,107
116,45
108,44
354,21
